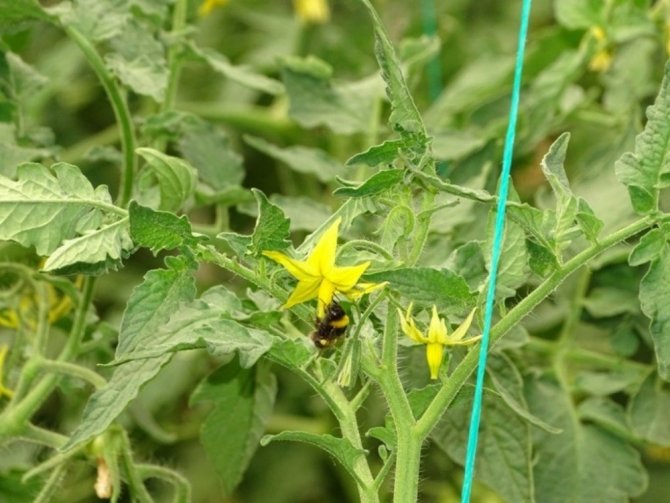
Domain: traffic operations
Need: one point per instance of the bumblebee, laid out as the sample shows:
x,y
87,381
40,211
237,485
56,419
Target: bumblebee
x,y
331,327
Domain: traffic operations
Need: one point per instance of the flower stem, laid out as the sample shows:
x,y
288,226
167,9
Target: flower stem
x,y
121,113
465,368
174,56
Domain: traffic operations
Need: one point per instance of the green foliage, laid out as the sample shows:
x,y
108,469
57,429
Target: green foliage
x,y
150,158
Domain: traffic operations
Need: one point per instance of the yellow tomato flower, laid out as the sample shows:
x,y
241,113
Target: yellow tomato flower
x,y
3,390
28,306
209,5
602,60
312,11
437,338
318,276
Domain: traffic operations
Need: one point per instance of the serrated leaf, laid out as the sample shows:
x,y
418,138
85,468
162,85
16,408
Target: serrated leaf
x,y
315,101
376,184
242,75
14,11
13,153
385,154
607,301
607,414
649,248
290,353
649,410
444,288
655,304
95,251
45,207
513,270
587,220
575,14
243,400
25,79
468,261
405,117
339,448
202,323
158,230
504,450
647,170
272,226
97,19
306,160
144,75
176,177
583,463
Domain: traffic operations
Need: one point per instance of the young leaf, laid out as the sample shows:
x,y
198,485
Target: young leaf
x,y
649,410
176,178
655,304
316,101
158,230
385,154
583,463
243,400
272,226
646,171
504,451
144,75
94,252
305,160
444,288
649,248
513,268
376,184
98,20
339,448
45,207
579,14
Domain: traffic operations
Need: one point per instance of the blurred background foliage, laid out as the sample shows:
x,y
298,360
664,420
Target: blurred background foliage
x,y
592,68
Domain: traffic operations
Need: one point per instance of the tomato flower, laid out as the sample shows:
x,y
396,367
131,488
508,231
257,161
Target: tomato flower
x,y
208,6
318,276
437,337
312,11
3,390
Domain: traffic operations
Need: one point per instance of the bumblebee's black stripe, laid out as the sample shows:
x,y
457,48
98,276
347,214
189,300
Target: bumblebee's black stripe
x,y
331,327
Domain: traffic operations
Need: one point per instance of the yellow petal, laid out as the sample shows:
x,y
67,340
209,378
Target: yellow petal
x,y
437,330
345,278
312,11
297,268
409,328
462,329
208,6
326,292
434,354
306,290
322,258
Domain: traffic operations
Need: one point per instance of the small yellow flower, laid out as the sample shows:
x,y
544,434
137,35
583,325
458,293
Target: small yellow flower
x,y
318,276
602,60
3,390
207,6
27,308
437,337
312,11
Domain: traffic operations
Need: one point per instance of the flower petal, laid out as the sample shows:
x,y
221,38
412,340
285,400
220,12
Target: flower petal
x,y
326,292
302,270
409,328
322,258
462,329
437,330
434,355
305,291
345,278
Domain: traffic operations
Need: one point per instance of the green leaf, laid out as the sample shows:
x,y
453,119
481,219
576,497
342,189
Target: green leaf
x,y
158,230
385,154
94,252
468,261
339,448
606,383
242,75
376,184
583,463
97,19
24,80
649,248
45,207
272,226
176,178
291,353
588,222
144,75
313,161
576,14
504,451
607,414
202,323
649,410
405,117
646,171
149,306
655,304
208,149
13,152
513,268
14,11
603,302
444,288
315,101
242,403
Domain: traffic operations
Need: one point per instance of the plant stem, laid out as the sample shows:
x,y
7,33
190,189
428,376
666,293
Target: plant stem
x,y
137,489
178,24
182,487
14,419
74,370
407,465
51,485
44,437
465,368
121,113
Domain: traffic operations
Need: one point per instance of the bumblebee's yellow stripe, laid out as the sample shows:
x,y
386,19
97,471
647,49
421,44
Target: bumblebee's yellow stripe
x,y
341,323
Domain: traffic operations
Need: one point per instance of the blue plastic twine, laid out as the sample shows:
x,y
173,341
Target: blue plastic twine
x,y
473,435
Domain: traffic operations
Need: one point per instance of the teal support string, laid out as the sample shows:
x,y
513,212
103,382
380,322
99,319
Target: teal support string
x,y
473,435
434,67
